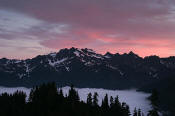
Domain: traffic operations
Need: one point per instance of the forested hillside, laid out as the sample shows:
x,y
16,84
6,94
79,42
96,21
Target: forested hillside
x,y
47,100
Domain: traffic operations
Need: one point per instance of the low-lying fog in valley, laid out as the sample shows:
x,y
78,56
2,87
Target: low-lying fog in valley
x,y
131,97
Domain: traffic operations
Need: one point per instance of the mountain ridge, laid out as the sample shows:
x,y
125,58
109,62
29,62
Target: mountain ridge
x,y
130,52
86,68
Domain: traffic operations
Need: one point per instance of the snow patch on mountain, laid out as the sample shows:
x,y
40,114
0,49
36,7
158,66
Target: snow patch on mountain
x,y
67,68
53,54
115,68
90,50
89,64
27,68
121,73
77,53
155,75
162,62
17,61
8,71
107,56
41,62
112,67
21,75
54,63
97,56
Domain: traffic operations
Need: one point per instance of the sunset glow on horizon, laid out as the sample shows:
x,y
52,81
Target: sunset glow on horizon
x,y
36,27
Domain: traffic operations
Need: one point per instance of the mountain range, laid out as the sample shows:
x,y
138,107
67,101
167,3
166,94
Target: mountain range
x,y
86,68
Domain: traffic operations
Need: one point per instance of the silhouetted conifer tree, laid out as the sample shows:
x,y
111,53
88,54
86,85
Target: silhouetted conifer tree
x,y
45,100
61,92
143,114
95,99
105,104
135,112
154,98
111,101
125,109
153,113
73,95
117,103
139,112
89,99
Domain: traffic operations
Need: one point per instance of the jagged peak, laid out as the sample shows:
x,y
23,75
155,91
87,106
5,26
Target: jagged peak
x,y
152,57
130,54
108,55
77,49
117,54
63,50
171,57
73,49
133,54
53,54
80,52
88,50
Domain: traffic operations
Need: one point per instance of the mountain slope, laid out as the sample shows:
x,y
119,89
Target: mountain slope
x,y
86,68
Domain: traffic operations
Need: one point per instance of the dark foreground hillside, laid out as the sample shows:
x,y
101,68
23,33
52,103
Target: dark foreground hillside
x,y
46,100
165,89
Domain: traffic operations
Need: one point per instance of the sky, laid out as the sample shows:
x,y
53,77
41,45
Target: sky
x,y
34,27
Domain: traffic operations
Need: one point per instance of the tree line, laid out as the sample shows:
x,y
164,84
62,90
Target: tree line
x,y
47,100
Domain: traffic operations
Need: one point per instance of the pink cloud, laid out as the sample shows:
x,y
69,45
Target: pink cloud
x,y
146,27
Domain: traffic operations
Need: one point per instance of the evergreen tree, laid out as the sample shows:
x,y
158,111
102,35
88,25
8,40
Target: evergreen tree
x,y
135,112
153,113
111,101
117,103
61,92
60,96
12,104
95,99
117,108
105,105
154,98
127,111
139,112
89,99
45,100
142,114
73,95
